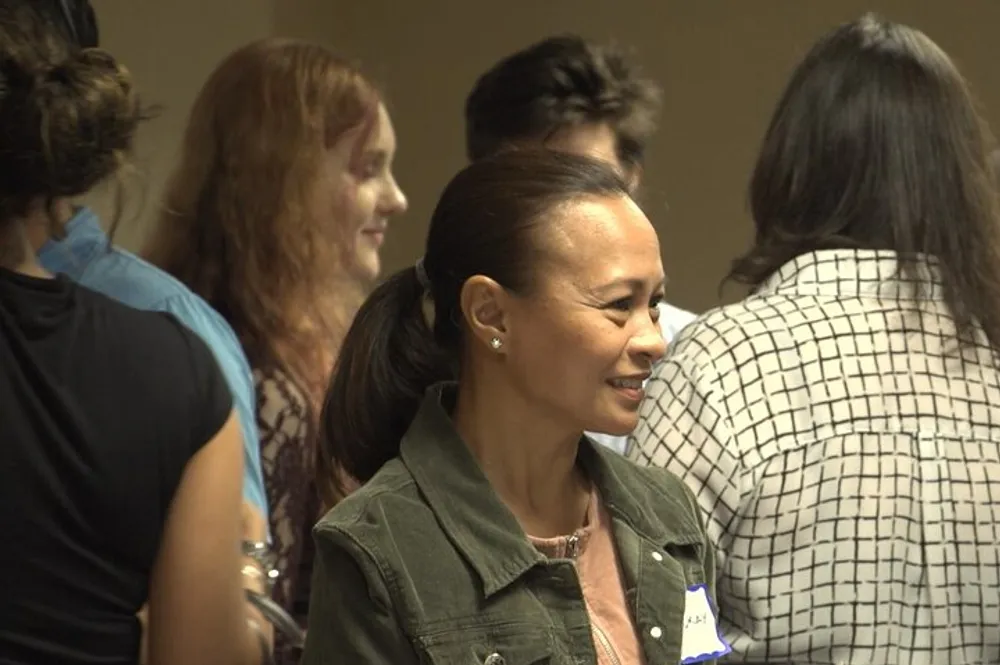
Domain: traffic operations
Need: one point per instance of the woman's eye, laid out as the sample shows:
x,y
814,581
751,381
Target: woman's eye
x,y
367,172
654,307
623,304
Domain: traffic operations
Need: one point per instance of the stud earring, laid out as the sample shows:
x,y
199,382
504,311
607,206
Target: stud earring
x,y
496,343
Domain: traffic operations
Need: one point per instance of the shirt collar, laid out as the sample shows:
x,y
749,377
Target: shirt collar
x,y
82,240
483,529
855,272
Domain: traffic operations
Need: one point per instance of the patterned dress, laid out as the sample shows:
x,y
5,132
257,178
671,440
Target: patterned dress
x,y
287,441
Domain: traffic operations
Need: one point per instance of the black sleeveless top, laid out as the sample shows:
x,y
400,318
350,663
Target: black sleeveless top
x,y
101,407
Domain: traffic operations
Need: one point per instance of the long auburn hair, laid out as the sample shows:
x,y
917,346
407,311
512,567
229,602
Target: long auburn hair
x,y
237,226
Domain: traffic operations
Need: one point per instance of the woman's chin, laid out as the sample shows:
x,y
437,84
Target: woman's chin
x,y
367,266
615,426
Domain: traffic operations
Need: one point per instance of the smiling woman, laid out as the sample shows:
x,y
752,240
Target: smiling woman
x,y
275,215
586,333
483,499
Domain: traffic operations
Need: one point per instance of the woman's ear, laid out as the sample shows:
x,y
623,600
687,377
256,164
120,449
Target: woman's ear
x,y
484,306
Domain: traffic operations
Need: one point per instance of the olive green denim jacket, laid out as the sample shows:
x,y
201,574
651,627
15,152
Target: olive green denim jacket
x,y
424,564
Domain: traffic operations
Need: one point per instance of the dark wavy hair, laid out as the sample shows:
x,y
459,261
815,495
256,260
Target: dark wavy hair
x,y
557,83
68,115
76,17
876,143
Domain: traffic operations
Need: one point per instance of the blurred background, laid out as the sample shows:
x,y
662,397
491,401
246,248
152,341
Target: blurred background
x,y
722,64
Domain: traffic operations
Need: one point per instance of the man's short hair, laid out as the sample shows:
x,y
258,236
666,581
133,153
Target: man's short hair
x,y
555,84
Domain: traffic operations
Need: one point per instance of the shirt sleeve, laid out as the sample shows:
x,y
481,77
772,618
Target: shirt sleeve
x,y
351,618
683,429
228,352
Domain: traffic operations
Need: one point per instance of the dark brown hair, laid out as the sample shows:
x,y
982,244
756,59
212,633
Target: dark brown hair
x,y
489,221
876,144
237,225
68,116
76,17
558,83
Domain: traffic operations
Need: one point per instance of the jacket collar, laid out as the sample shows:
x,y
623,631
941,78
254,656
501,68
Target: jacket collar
x,y
484,530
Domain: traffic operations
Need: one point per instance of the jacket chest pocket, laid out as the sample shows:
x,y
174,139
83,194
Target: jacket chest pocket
x,y
511,644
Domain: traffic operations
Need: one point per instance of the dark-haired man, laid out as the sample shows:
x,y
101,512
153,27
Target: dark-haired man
x,y
570,94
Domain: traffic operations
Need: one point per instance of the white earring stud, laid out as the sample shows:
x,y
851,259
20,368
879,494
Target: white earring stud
x,y
496,343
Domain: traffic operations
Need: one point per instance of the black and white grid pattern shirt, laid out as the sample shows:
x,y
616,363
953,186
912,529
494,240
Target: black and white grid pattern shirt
x,y
846,452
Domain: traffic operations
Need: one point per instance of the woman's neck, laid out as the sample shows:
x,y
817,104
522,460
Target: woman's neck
x,y
22,237
17,252
529,461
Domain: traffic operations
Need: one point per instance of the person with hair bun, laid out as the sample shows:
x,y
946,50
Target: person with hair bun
x,y
85,253
120,478
489,528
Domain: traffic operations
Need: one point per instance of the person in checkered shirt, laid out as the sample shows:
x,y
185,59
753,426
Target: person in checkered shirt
x,y
841,425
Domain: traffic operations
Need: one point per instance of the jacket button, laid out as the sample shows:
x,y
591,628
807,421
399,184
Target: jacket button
x,y
494,659
655,632
657,557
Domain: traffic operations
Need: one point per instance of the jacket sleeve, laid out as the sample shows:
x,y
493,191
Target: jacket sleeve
x,y
351,617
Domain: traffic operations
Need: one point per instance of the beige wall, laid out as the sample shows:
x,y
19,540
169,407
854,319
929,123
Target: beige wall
x,y
170,47
722,62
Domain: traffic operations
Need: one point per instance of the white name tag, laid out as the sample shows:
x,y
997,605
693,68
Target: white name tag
x,y
701,639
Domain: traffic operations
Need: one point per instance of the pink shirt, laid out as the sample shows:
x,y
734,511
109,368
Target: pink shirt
x,y
592,549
